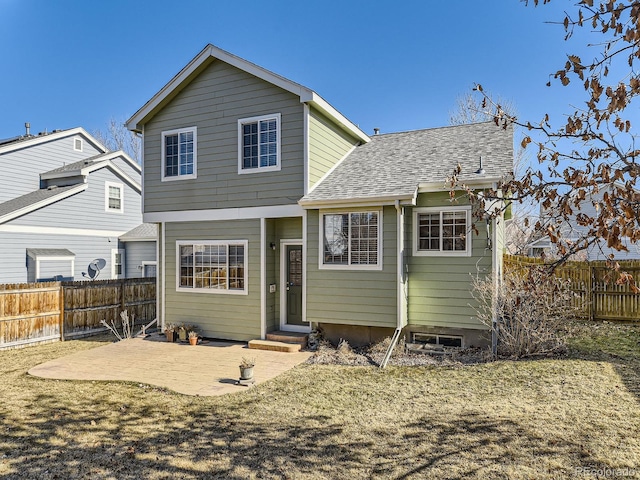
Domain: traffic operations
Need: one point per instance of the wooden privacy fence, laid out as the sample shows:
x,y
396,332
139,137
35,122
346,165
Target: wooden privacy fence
x,y
39,312
597,295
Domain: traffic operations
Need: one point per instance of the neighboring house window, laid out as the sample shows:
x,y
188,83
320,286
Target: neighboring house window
x,y
179,153
212,266
149,269
259,144
77,144
351,240
114,197
442,231
117,263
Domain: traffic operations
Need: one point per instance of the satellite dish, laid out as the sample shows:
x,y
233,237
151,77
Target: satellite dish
x,y
93,270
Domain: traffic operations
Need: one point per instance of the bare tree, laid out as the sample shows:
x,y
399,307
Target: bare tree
x,y
117,137
519,232
593,149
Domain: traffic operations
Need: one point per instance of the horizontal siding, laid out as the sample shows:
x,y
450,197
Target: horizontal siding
x,y
87,209
135,254
213,102
353,297
23,167
327,145
13,253
440,287
232,317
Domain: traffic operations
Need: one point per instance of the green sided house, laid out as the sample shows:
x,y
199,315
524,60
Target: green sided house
x,y
275,212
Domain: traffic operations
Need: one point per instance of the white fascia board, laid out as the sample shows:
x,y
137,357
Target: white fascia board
x,y
359,202
115,169
84,172
139,239
43,203
305,94
277,211
485,182
36,140
321,104
209,52
78,232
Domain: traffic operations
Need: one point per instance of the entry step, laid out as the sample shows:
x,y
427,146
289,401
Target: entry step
x,y
289,337
274,346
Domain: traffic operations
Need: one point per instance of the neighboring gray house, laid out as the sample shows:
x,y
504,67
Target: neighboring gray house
x,y
64,202
571,231
140,250
276,212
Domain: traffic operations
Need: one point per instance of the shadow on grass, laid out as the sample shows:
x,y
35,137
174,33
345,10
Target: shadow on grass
x,y
201,442
617,344
74,443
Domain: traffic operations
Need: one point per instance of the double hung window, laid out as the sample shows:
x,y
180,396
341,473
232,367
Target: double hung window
x,y
259,143
351,239
179,153
444,231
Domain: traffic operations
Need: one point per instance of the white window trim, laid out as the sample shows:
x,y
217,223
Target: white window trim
x,y
330,266
114,252
78,141
215,291
145,263
106,197
442,253
259,169
178,131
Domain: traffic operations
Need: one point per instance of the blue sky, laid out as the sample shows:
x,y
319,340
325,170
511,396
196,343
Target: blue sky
x,y
393,65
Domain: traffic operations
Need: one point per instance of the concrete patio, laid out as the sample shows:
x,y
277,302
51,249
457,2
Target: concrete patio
x,y
207,369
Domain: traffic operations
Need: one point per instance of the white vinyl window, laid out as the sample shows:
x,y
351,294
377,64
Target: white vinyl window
x,y
212,266
113,197
77,144
179,153
442,231
117,263
351,240
259,144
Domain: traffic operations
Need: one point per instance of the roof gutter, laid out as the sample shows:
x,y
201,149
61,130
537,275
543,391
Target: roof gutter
x,y
486,182
404,199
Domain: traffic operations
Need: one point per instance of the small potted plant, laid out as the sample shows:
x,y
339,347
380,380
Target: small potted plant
x,y
246,368
170,332
193,337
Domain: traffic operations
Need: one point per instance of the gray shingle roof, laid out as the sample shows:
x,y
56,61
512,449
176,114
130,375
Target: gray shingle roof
x,y
49,252
144,231
71,167
31,199
394,164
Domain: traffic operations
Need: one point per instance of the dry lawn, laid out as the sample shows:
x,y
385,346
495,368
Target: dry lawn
x,y
505,420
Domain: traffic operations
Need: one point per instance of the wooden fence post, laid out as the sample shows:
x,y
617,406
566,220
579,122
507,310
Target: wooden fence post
x,y
61,300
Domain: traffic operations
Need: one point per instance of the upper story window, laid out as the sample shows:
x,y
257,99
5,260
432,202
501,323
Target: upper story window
x,y
113,197
259,144
442,231
351,240
212,266
179,153
77,144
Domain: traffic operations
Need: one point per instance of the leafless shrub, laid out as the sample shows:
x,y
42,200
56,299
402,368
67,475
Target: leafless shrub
x,y
127,326
532,307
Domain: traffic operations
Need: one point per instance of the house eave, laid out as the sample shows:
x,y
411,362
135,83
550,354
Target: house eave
x,y
404,199
212,53
43,203
484,182
37,139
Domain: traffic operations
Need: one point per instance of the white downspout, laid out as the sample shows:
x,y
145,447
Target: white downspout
x,y
399,309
